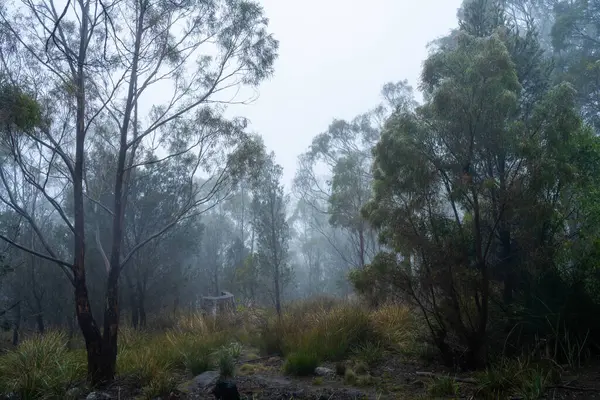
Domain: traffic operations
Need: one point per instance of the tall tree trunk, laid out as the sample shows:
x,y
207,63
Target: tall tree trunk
x,y
39,320
111,298
133,303
361,236
142,309
16,325
87,324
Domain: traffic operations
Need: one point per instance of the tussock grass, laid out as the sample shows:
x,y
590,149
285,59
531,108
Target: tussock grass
x,y
443,386
301,363
334,330
322,329
515,378
42,367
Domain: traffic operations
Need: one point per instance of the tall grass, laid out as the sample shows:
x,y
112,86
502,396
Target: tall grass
x,y
332,331
42,367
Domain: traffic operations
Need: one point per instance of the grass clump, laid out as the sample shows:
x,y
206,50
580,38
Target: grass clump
x,y
515,378
443,386
350,377
317,381
331,332
301,363
370,353
397,326
42,367
160,384
226,363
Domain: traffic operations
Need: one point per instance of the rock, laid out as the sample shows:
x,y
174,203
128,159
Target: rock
x,y
74,393
98,396
226,390
202,381
324,371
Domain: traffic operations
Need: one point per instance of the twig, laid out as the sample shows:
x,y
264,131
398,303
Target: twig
x,y
455,378
575,388
254,360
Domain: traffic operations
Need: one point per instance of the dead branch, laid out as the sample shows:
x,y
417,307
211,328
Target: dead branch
x,y
455,378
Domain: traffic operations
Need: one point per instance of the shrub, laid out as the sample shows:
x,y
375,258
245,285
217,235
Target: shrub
x,y
301,363
226,363
41,367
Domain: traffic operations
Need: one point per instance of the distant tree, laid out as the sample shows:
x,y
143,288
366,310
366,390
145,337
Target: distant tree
x,y
269,205
576,40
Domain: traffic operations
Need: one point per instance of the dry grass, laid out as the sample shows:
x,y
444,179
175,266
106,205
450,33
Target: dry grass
x,y
310,332
332,331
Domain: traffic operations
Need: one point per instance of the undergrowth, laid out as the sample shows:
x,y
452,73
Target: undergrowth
x,y
332,332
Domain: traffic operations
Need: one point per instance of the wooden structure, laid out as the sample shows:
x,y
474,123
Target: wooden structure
x,y
218,305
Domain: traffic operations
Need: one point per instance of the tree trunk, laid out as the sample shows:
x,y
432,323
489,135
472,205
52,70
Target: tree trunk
x,y
361,236
87,324
142,310
39,320
17,325
277,293
135,316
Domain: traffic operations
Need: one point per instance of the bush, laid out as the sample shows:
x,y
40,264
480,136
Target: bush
x,y
301,363
41,367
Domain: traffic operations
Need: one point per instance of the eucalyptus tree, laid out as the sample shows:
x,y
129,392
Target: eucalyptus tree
x,y
157,76
334,175
475,186
269,206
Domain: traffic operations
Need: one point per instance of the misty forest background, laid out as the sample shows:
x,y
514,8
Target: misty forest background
x,y
477,207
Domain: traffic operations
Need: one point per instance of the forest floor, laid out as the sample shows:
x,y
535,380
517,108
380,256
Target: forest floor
x,y
325,351
394,378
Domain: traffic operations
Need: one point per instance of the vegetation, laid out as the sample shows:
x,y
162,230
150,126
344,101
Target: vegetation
x,y
460,232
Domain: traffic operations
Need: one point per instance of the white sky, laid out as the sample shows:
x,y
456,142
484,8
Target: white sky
x,y
334,57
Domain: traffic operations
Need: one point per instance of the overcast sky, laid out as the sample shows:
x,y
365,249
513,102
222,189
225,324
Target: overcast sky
x,y
334,57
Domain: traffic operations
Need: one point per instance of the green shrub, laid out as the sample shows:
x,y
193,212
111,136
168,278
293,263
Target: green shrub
x,y
301,363
226,363
41,367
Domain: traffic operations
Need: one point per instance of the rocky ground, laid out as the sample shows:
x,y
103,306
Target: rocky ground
x,y
262,379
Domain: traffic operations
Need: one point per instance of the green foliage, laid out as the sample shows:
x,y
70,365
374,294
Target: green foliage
x,y
493,141
226,363
514,377
301,363
41,367
18,109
